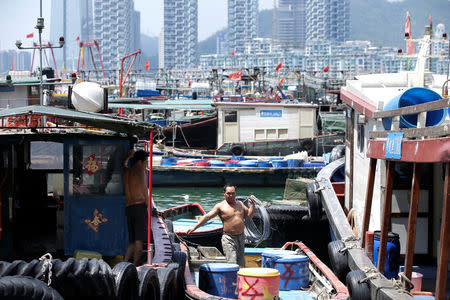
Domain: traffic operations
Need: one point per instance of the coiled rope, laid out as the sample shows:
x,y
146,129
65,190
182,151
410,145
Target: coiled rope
x,y
253,234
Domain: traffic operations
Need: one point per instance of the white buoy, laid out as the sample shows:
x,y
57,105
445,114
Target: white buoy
x,y
186,197
87,97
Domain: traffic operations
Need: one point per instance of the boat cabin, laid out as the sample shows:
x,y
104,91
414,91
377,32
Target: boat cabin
x,y
253,122
61,185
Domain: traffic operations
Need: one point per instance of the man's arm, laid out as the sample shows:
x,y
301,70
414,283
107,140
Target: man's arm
x,y
127,158
214,212
251,209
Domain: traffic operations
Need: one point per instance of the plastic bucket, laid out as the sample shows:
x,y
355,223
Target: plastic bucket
x,y
231,163
293,163
202,163
237,158
185,162
219,279
279,163
313,165
248,163
253,256
258,283
217,163
263,164
294,272
168,161
269,257
392,260
414,96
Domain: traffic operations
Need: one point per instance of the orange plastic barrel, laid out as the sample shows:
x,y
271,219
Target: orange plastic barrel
x,y
258,283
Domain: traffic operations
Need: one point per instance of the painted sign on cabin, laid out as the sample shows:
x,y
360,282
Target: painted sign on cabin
x,y
271,113
394,145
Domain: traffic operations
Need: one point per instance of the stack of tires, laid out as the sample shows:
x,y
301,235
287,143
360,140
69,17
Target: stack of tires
x,y
92,279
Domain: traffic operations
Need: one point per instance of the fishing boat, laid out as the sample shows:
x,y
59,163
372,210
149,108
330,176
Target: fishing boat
x,y
397,182
295,272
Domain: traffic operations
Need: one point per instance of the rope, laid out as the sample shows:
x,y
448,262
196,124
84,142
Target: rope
x,y
47,266
181,130
253,235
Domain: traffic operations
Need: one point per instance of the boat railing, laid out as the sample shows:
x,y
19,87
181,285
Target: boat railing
x,y
380,286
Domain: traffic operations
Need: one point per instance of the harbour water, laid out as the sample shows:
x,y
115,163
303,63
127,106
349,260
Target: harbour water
x,y
207,197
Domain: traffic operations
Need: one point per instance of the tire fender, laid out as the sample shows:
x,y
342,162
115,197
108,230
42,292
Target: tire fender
x,y
25,287
148,283
358,290
126,278
337,152
338,259
237,150
167,283
314,202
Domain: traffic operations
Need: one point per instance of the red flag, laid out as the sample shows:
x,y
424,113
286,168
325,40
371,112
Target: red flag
x,y
233,53
429,19
189,81
30,35
409,44
78,38
280,65
327,67
281,82
147,64
235,76
12,64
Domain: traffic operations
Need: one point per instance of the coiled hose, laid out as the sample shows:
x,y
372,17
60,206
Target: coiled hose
x,y
255,234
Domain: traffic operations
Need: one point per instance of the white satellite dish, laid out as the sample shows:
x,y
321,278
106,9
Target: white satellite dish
x,y
87,97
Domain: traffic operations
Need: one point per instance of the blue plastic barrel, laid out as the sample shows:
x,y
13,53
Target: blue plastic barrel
x,y
219,279
313,165
294,272
392,260
279,163
168,161
237,158
264,164
217,163
275,158
293,163
248,163
414,96
269,257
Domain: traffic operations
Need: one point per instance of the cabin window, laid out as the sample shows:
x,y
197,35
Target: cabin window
x,y
231,116
96,169
282,133
46,156
271,134
360,140
260,134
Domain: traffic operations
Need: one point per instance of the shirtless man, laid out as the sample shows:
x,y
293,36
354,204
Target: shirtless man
x,y
232,214
136,193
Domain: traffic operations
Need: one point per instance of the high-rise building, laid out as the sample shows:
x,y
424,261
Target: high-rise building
x,y
221,42
70,19
161,49
291,23
116,26
180,34
328,20
242,23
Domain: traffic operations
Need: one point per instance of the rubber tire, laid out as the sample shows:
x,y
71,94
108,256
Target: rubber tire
x,y
286,213
167,283
169,225
148,283
337,152
126,278
314,202
357,290
338,260
307,146
25,287
237,150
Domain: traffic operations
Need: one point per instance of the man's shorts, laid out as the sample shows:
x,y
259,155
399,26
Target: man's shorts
x,y
233,247
137,220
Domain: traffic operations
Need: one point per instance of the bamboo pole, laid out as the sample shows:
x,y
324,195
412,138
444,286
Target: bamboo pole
x,y
369,197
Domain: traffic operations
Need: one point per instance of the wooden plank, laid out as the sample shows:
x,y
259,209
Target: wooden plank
x,y
412,220
413,109
414,150
369,196
443,130
385,222
444,246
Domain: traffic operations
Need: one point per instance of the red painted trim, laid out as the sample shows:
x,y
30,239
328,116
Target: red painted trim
x,y
420,151
357,103
341,289
184,205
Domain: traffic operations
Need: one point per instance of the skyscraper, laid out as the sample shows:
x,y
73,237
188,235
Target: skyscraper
x,y
328,20
242,23
180,34
70,19
116,27
291,23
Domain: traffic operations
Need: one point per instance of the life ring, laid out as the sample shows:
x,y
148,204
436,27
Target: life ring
x,y
358,289
237,150
338,259
314,202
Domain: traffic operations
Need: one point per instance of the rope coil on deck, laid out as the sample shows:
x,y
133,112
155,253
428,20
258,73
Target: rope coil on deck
x,y
47,266
253,234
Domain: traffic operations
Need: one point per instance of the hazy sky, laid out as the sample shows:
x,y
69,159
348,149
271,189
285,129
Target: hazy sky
x,y
18,18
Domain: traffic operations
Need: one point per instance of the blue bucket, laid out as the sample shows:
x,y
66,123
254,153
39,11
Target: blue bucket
x,y
392,260
294,272
168,161
269,257
237,158
313,165
248,163
414,96
264,164
219,279
279,163
293,163
217,163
